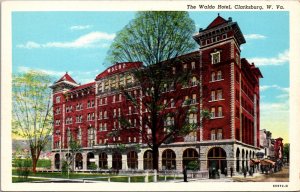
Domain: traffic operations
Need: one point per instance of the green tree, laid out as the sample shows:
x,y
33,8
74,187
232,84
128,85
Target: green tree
x,y
32,111
286,151
74,147
157,39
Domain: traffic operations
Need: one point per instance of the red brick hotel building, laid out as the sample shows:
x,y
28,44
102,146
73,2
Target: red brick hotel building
x,y
229,86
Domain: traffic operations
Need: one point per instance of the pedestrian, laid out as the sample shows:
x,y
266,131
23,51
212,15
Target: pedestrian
x,y
231,171
225,171
184,174
245,172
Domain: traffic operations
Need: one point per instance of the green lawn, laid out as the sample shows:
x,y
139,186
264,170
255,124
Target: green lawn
x,y
20,180
42,163
97,176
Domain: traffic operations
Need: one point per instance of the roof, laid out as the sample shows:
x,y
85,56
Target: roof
x,y
119,68
82,86
66,77
217,21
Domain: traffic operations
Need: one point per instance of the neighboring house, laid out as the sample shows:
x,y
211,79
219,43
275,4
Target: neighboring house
x,y
230,87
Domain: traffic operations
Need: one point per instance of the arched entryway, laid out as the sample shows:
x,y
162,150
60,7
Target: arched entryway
x,y
190,158
78,161
57,161
117,160
132,160
90,160
168,159
148,160
238,160
216,159
103,160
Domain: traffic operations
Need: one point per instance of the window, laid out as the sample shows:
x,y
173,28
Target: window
x,y
68,135
105,100
224,36
186,100
213,76
184,67
193,65
105,114
120,97
173,70
220,134
91,137
213,95
115,113
213,134
88,104
165,89
194,99
213,112
119,112
129,110
128,79
220,112
58,99
114,99
219,94
194,81
219,75
79,136
101,101
192,118
172,102
215,57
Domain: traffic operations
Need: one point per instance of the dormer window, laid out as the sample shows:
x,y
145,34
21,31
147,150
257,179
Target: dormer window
x,y
215,57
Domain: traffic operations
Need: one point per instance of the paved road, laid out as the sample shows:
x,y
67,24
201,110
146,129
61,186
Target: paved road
x,y
282,176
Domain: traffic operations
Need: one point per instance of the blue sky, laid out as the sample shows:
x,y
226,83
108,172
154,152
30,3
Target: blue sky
x,y
77,42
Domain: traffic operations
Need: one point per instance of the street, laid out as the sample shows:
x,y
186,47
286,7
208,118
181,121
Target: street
x,y
281,176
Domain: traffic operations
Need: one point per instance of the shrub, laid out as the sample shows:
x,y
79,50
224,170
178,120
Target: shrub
x,y
92,166
193,165
64,167
23,167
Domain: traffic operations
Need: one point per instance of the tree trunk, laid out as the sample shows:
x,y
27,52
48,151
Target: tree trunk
x,y
34,163
155,157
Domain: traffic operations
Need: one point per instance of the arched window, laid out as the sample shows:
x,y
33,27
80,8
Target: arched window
x,y
148,160
213,76
213,112
169,159
190,156
90,160
57,161
220,111
132,160
117,161
103,160
78,161
194,81
219,75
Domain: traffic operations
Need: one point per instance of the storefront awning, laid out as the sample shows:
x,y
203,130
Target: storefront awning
x,y
267,162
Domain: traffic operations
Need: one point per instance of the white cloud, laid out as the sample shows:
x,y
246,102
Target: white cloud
x,y
266,87
23,69
80,27
29,45
280,59
89,40
254,36
274,107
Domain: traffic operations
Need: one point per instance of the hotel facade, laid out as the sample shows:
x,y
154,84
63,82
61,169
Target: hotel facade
x,y
221,82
